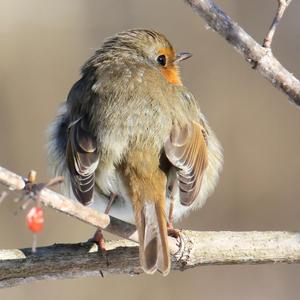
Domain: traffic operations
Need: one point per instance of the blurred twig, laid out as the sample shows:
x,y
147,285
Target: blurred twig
x,y
203,248
260,57
69,207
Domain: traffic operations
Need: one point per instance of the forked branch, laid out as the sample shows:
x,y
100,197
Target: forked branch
x,y
260,58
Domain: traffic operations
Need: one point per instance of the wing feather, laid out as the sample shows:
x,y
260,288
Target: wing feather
x,y
186,149
83,160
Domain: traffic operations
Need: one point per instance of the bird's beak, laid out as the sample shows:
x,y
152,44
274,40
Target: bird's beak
x,y
182,56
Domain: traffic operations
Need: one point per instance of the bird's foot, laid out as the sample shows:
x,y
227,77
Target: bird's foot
x,y
173,232
98,238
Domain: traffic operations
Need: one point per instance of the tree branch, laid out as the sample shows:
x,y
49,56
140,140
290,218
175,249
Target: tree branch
x,y
260,58
202,248
82,260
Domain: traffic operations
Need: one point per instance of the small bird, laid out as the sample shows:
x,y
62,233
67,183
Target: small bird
x,y
132,142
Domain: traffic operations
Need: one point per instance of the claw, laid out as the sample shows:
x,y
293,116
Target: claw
x,y
173,232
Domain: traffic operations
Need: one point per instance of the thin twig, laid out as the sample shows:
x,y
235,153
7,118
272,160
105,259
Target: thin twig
x,y
259,57
282,5
72,208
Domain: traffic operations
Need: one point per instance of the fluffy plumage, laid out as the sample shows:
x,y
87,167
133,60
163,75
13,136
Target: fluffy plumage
x,y
130,127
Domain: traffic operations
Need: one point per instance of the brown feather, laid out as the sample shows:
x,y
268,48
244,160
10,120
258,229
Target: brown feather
x,y
147,188
82,162
149,247
164,261
187,150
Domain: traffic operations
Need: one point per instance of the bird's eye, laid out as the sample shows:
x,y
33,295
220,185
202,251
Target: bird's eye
x,y
162,60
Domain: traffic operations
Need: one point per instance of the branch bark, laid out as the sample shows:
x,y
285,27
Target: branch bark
x,y
82,260
260,58
202,248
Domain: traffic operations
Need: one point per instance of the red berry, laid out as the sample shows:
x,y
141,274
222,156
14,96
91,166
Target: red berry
x,y
35,219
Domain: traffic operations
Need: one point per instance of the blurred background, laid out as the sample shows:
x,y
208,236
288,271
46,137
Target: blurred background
x,y
43,45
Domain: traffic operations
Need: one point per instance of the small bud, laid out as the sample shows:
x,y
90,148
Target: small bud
x,y
32,176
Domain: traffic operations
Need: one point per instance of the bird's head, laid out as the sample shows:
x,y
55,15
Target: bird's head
x,y
146,47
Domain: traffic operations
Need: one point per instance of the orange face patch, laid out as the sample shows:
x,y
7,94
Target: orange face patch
x,y
171,74
170,71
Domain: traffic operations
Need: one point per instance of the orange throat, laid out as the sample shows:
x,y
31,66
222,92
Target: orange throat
x,y
171,74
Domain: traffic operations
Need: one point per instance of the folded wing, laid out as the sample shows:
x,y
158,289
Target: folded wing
x,y
82,160
186,149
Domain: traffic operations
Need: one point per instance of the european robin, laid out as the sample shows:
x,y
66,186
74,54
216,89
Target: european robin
x,y
133,141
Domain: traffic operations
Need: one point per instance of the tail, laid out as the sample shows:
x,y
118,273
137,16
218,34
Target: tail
x,y
153,238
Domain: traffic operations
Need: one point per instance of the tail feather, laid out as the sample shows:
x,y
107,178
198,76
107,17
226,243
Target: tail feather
x,y
164,264
150,247
153,238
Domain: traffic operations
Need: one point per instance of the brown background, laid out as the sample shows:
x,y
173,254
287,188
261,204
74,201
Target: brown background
x,y
43,44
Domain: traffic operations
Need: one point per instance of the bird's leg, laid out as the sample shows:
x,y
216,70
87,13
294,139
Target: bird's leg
x,y
171,211
98,236
112,198
171,230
